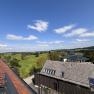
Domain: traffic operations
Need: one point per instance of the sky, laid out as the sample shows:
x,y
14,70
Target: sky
x,y
38,25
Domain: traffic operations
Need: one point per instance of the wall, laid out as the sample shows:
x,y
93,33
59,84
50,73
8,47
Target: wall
x,y
60,86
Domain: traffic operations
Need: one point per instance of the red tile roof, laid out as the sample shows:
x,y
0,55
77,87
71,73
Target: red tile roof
x,y
2,82
20,87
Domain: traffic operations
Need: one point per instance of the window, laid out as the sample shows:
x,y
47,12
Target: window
x,y
62,74
91,83
53,72
50,71
45,70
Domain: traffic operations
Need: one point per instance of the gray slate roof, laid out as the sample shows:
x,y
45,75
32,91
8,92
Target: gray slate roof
x,y
77,73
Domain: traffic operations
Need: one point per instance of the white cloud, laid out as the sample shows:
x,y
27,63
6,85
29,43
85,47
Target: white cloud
x,y
57,42
82,40
87,34
50,42
15,37
3,45
31,37
76,32
39,26
43,45
64,29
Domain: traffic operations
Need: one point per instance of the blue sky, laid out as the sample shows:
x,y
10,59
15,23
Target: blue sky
x,y
33,25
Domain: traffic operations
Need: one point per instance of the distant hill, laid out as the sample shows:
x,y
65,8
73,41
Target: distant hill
x,y
85,48
75,49
92,47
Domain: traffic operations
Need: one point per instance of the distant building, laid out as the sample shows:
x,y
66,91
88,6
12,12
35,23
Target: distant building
x,y
74,58
66,78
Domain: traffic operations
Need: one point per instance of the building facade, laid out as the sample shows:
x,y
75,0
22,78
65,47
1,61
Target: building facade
x,y
66,78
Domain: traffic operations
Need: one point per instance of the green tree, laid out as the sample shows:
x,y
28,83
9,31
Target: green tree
x,y
8,58
90,55
37,54
40,62
23,55
14,63
54,56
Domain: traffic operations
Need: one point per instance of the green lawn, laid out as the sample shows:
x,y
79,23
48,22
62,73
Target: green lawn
x,y
29,62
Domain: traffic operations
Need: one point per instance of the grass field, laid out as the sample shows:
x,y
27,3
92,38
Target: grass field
x,y
29,62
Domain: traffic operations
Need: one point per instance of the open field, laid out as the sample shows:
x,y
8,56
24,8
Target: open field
x,y
28,63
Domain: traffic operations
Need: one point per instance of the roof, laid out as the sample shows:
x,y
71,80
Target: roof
x,y
13,84
77,73
2,82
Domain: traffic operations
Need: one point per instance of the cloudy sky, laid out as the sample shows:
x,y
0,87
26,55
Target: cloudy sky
x,y
33,25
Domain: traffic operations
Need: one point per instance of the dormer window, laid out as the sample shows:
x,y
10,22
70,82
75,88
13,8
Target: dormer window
x,y
50,71
45,70
53,72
